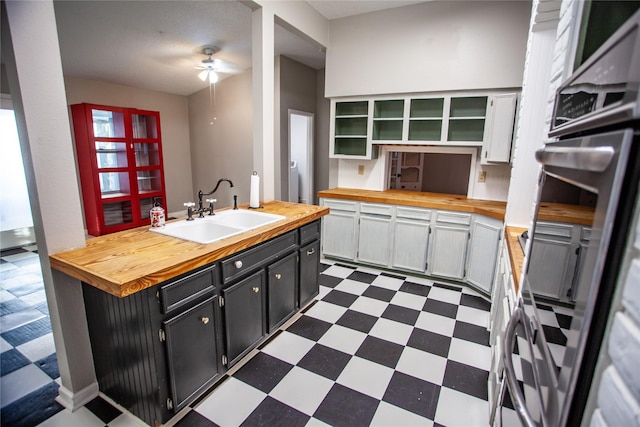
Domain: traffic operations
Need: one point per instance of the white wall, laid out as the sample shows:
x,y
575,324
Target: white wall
x,y
174,125
432,46
495,187
38,96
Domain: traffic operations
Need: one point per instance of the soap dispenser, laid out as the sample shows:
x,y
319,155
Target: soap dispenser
x,y
157,214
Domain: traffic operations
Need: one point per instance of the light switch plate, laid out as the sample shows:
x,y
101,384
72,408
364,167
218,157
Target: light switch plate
x,y
360,169
482,176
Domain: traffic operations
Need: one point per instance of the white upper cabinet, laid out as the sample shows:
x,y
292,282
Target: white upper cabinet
x,y
350,130
484,120
499,132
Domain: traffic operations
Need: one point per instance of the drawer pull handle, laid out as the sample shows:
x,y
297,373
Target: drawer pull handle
x,y
204,320
311,252
278,276
238,264
256,289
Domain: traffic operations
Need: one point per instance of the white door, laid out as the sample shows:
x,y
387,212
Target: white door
x,y
300,156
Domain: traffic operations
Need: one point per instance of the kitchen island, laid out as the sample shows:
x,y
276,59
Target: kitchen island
x,y
128,261
168,318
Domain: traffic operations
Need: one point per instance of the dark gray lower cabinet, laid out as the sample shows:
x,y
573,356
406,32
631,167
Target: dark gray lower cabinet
x,y
244,316
155,351
159,349
192,353
283,298
309,271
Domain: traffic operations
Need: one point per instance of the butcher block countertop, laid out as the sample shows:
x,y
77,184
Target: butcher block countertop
x,y
451,202
128,261
572,214
516,254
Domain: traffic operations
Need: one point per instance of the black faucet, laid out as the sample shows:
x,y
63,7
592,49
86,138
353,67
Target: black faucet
x,y
202,209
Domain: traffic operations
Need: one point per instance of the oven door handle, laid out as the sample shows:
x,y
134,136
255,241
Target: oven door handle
x,y
594,159
509,372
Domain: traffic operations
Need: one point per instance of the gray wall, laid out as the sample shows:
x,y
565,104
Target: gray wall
x,y
446,173
222,149
322,162
297,83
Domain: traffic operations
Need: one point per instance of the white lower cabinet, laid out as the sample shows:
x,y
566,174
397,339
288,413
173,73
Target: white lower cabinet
x,y
483,251
452,245
411,239
339,229
502,304
448,249
374,239
556,254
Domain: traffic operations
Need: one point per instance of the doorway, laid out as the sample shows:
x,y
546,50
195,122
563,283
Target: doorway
x,y
300,157
16,222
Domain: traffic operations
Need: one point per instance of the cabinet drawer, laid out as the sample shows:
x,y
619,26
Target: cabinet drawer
x,y
413,213
376,209
309,232
453,218
340,205
188,289
251,259
553,229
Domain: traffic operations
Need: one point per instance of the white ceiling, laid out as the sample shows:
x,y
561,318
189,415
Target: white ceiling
x,y
157,45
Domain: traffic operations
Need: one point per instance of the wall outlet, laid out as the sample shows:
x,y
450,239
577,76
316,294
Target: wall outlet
x,y
360,169
482,176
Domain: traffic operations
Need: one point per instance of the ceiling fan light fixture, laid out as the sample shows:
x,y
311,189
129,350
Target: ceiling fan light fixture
x,y
208,72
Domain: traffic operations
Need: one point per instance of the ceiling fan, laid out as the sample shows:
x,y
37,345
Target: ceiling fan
x,y
211,67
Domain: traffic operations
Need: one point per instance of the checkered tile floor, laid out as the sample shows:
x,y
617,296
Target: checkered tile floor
x,y
373,349
29,365
376,349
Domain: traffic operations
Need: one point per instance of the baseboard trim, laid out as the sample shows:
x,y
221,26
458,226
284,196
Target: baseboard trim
x,y
73,401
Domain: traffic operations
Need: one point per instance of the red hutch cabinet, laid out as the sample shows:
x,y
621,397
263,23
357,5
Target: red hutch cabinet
x,y
119,154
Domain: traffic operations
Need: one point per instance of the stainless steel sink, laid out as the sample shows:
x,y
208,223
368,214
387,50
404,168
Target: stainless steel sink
x,y
216,227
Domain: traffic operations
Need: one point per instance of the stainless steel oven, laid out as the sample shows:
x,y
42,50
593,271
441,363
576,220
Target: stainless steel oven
x,y
587,192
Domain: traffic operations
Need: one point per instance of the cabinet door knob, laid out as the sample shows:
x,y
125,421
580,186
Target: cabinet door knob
x,y
256,289
238,264
204,320
311,252
278,276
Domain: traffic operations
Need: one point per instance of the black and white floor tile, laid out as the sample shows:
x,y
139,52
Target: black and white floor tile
x,y
29,366
373,349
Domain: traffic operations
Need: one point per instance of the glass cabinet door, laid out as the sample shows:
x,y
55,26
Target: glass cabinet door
x,y
147,154
111,154
107,124
144,126
117,213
